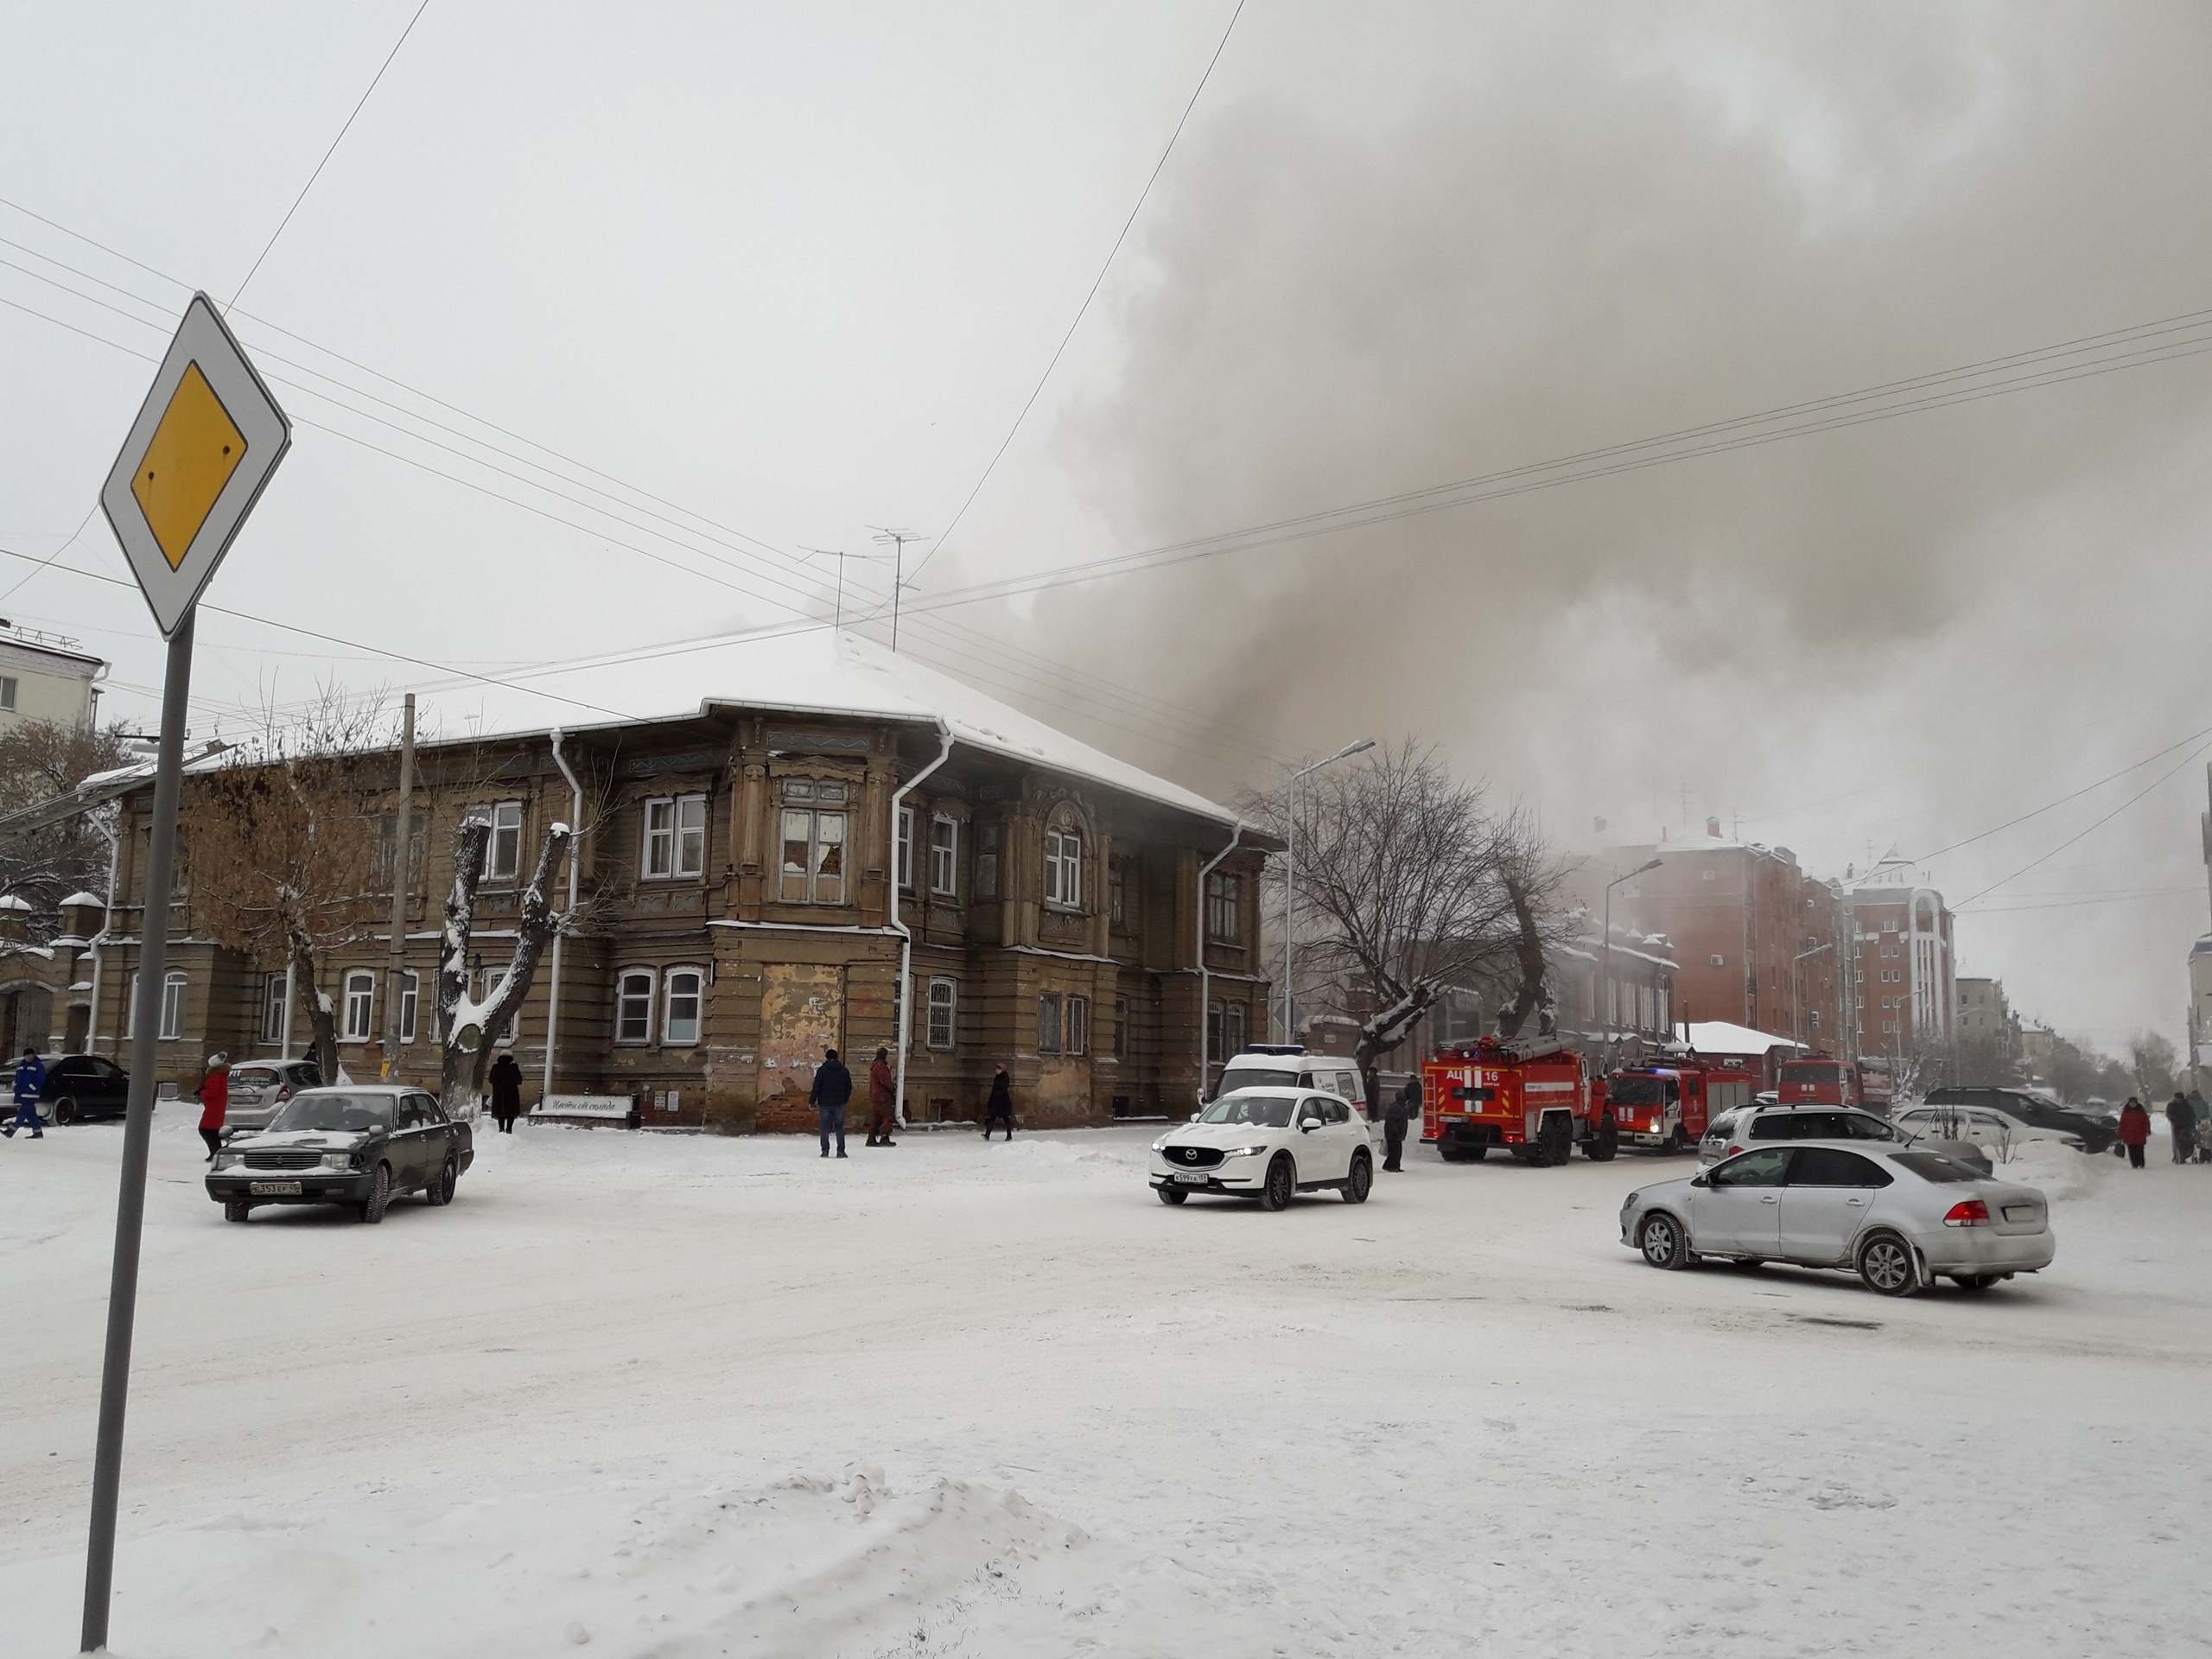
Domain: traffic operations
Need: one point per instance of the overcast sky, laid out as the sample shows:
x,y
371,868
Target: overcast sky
x,y
792,272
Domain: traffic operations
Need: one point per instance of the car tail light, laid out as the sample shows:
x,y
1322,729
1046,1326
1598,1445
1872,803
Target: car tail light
x,y
1968,1212
1732,1152
283,1094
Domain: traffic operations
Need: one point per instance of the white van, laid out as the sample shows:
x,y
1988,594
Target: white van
x,y
1284,1065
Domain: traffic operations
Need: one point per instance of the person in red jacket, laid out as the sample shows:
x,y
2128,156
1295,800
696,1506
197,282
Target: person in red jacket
x,y
2134,1130
214,1103
882,1100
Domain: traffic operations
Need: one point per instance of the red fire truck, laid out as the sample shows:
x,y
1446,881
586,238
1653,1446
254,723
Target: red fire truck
x,y
1823,1080
1665,1105
1536,1099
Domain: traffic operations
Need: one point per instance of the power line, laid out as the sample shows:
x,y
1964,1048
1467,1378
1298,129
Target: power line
x,y
2099,824
1095,282
333,150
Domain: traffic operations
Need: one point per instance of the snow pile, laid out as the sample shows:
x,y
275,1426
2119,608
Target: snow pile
x,y
2061,1173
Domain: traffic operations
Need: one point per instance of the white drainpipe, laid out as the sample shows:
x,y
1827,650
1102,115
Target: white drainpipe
x,y
906,935
1205,979
553,989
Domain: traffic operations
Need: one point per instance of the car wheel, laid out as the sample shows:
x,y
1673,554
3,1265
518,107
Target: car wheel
x,y
1170,1194
1662,1240
379,1198
1360,1181
1281,1184
1601,1147
1453,1154
65,1110
236,1209
440,1191
1974,1280
1886,1266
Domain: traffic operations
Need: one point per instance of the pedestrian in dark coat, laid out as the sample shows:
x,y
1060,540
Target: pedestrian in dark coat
x,y
506,1093
2134,1130
1406,1104
882,1100
1001,1107
833,1087
30,1078
2181,1123
215,1104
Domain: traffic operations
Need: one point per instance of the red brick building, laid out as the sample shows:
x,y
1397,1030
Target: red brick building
x,y
1905,987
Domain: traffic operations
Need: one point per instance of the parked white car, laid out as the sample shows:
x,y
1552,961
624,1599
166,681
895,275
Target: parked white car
x,y
1995,1131
1900,1216
1750,1126
1268,1144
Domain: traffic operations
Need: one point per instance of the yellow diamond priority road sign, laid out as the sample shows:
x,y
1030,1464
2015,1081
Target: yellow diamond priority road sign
x,y
205,443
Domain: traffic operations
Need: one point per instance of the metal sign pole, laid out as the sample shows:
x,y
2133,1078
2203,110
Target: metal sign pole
x,y
138,1133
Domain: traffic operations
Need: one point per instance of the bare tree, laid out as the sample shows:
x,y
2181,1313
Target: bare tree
x,y
42,761
465,1027
2151,1058
280,848
1407,884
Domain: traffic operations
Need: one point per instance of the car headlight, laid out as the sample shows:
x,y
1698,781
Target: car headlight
x,y
1245,1152
338,1160
229,1159
1160,1145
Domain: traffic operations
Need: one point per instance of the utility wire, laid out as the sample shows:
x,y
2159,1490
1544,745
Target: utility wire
x,y
1096,283
2099,824
333,150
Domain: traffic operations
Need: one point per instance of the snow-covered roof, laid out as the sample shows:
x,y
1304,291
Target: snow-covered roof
x,y
9,901
813,671
1719,1037
84,899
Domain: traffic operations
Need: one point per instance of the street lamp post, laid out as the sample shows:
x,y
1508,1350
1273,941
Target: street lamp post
x,y
1605,972
1290,874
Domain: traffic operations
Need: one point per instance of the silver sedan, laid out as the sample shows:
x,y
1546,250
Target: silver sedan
x,y
1900,1219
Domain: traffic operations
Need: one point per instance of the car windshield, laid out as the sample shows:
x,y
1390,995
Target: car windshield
x,y
348,1112
1638,1091
1934,1166
1253,1077
1262,1111
1809,1072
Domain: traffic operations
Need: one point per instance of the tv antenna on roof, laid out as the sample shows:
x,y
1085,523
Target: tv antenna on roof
x,y
896,540
840,556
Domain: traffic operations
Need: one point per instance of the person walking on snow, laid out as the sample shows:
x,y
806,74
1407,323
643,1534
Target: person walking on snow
x,y
2181,1124
882,1098
833,1087
2134,1130
1406,1104
1000,1107
31,1077
215,1104
506,1093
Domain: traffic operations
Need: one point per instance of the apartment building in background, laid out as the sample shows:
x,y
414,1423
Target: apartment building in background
x,y
1905,988
46,677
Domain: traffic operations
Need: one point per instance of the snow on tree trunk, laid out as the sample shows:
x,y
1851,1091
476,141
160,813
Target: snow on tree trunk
x,y
1381,1033
1535,995
465,1027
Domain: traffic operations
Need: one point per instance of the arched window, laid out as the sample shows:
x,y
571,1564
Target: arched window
x,y
633,1006
1064,849
360,1004
679,1022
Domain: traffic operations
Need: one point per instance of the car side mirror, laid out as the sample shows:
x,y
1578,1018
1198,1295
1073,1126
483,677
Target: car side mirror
x,y
1195,1116
1701,1180
1308,1125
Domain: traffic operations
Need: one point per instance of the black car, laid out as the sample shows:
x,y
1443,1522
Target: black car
x,y
82,1086
359,1144
2097,1134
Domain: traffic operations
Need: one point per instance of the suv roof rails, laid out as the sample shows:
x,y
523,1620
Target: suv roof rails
x,y
1274,1048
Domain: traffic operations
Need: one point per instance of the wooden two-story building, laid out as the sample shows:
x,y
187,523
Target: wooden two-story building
x,y
764,823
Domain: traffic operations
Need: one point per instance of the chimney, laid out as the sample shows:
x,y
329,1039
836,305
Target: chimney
x,y
1713,828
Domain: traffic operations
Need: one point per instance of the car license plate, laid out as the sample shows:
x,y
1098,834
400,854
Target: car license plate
x,y
1189,1177
273,1189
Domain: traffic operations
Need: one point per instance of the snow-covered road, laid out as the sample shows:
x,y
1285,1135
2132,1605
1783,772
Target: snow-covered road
x,y
678,1396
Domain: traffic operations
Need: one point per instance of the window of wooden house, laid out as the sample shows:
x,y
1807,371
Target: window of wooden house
x,y
1063,866
633,1006
676,838
987,861
1225,907
410,998
503,852
386,848
1232,1029
273,1009
360,1005
903,855
493,978
1213,1032
685,992
944,855
1048,1023
1120,1028
173,984
1117,883
945,1006
1078,1024
814,857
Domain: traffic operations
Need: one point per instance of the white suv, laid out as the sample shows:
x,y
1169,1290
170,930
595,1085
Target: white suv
x,y
1268,1144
